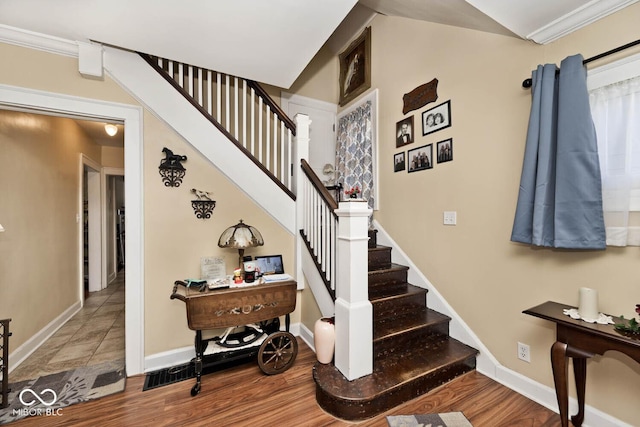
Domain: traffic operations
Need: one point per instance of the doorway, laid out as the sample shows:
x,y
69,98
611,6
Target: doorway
x,y
131,116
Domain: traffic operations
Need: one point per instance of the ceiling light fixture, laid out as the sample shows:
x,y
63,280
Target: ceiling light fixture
x,y
111,129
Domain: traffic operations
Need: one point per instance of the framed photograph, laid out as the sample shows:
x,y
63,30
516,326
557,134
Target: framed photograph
x,y
355,68
398,162
404,132
436,118
420,158
444,150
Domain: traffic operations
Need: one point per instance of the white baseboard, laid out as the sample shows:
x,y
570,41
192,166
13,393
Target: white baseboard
x,y
487,364
183,355
28,347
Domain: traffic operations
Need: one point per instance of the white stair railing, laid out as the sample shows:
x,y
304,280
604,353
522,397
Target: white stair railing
x,y
242,110
320,226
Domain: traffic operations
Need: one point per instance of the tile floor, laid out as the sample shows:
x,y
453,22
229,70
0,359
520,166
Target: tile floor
x,y
93,335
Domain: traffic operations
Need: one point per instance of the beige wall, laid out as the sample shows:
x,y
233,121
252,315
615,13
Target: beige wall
x,y
39,254
174,238
486,278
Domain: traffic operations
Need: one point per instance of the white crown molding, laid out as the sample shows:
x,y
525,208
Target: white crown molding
x,y
576,19
30,39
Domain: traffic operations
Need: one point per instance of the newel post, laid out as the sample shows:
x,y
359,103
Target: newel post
x,y
354,314
300,151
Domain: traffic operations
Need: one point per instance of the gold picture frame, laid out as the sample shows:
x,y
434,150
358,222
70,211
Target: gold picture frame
x,y
355,68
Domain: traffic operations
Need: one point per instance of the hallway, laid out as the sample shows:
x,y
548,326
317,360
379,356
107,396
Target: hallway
x,y
93,335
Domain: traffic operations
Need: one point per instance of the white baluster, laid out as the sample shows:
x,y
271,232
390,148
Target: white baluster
x,y
180,75
227,115
235,108
190,68
260,129
209,93
200,101
244,113
218,96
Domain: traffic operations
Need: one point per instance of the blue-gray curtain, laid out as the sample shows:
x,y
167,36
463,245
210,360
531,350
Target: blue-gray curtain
x,y
560,197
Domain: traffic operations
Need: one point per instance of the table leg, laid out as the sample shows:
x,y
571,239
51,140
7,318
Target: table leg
x,y
560,364
580,373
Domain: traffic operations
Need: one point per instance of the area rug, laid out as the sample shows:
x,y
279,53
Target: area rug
x,y
47,396
447,419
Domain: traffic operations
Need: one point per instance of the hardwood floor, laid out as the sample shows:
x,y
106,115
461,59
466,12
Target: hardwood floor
x,y
244,396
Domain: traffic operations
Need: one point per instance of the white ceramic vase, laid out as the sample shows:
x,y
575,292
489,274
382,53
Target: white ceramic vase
x,y
324,339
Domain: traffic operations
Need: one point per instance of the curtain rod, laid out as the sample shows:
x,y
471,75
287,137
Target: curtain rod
x,y
528,82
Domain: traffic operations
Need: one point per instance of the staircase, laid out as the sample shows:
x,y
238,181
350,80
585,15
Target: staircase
x,y
413,352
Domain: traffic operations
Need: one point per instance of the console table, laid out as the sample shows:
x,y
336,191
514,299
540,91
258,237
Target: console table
x,y
578,340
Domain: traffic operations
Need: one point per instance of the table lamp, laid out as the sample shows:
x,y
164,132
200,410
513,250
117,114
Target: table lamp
x,y
240,236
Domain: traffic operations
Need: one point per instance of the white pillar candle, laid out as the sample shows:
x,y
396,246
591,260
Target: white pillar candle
x,y
588,305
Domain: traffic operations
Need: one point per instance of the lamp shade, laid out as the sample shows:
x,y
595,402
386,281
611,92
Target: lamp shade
x,y
240,236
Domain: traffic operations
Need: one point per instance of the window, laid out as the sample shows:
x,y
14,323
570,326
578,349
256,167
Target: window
x,y
614,96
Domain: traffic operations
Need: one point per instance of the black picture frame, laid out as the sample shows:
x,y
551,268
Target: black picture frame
x,y
420,158
399,163
405,131
444,150
436,118
355,68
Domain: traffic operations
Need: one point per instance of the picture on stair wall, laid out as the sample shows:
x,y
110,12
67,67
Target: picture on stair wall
x,y
399,162
404,132
445,150
420,158
436,118
355,68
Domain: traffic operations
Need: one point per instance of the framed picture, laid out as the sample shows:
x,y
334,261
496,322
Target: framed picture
x,y
404,132
436,118
355,68
445,150
420,158
398,162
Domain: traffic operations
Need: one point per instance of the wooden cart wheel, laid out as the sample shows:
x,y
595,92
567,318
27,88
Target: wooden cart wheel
x,y
277,353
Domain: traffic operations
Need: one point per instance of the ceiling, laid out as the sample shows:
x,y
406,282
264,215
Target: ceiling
x,y
273,41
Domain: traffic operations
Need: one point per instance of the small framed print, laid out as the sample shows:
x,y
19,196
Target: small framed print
x,y
399,162
404,132
420,158
436,118
445,150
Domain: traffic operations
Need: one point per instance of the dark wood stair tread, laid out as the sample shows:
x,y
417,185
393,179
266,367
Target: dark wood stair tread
x,y
419,362
420,319
387,269
394,291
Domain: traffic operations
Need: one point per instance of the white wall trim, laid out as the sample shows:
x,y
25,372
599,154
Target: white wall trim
x,y
33,40
54,103
286,98
487,364
614,72
576,19
21,353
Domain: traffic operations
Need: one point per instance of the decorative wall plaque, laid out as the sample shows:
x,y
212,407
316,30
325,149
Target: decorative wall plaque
x,y
171,169
420,96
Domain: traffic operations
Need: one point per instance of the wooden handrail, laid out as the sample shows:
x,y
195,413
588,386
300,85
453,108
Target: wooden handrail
x,y
317,184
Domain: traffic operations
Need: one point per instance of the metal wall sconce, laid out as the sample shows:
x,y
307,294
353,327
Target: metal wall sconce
x,y
203,206
171,169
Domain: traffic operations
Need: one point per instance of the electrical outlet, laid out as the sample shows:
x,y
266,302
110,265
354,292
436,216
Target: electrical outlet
x,y
523,352
449,218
